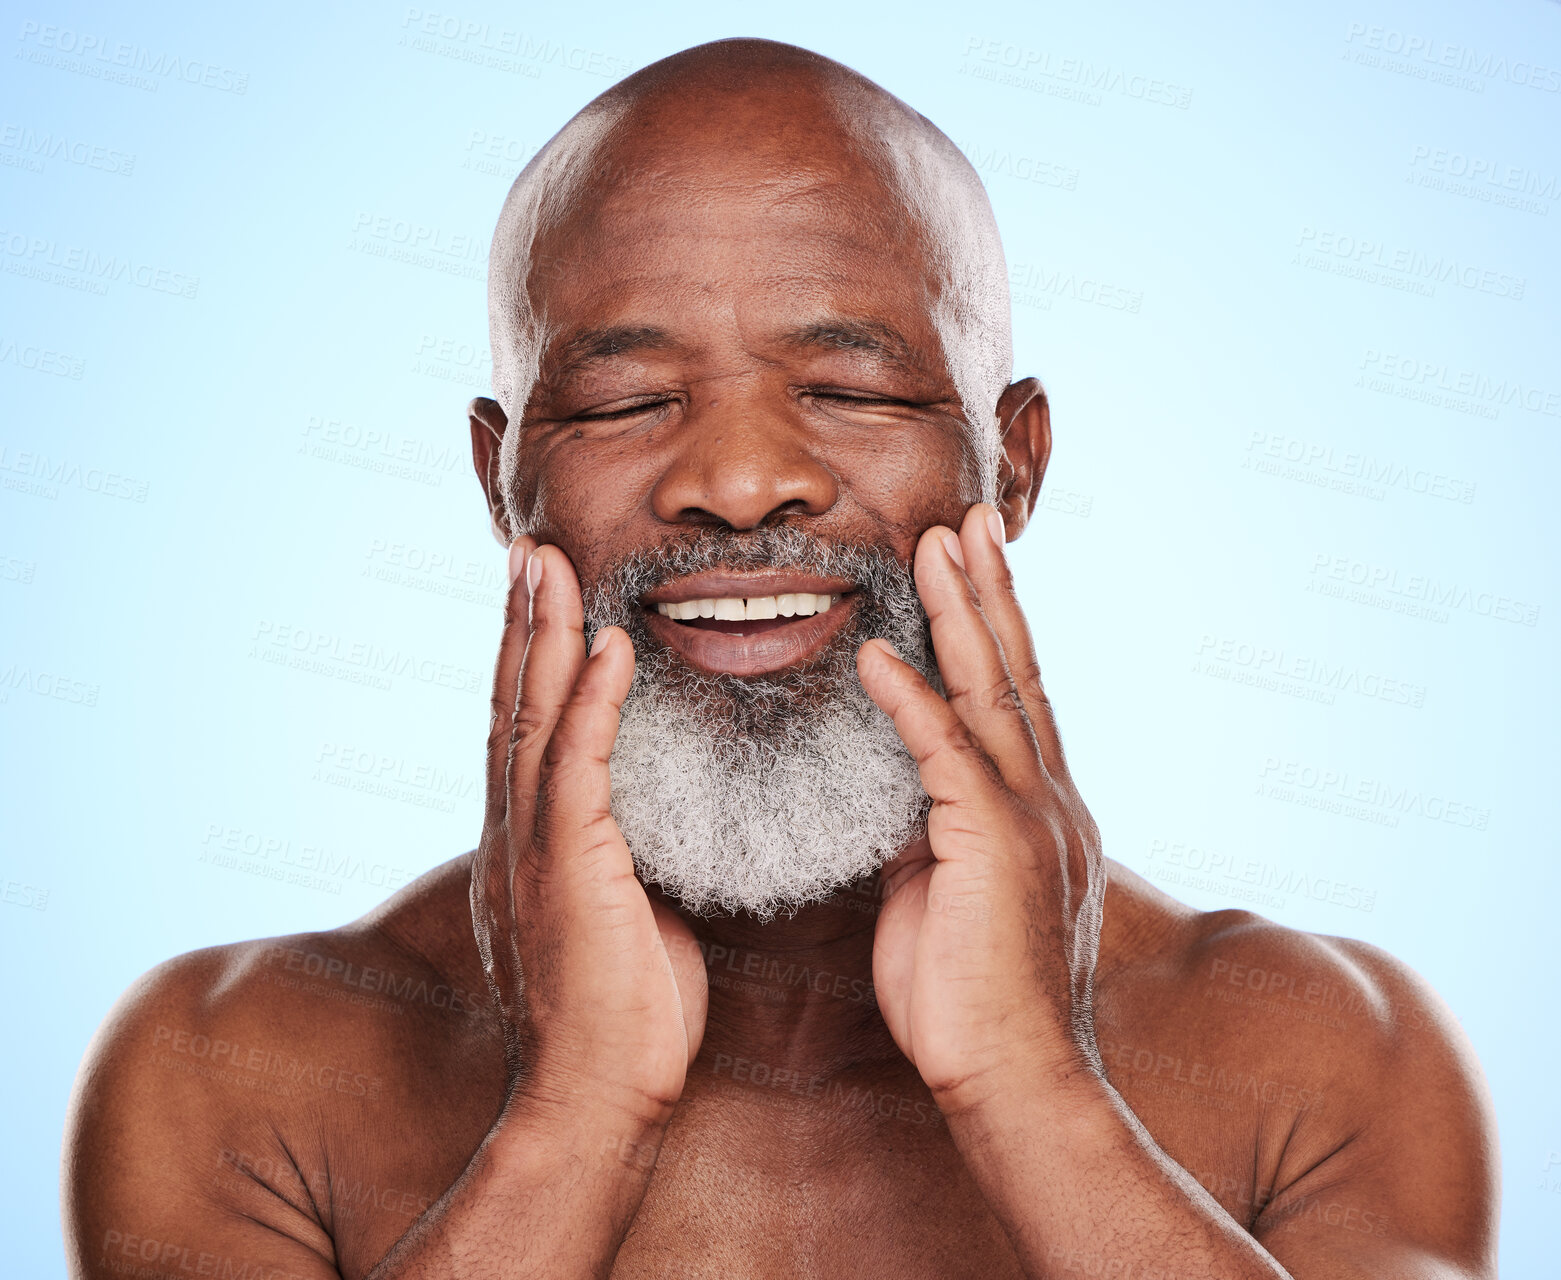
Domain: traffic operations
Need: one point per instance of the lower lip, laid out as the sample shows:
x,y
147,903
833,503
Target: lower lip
x,y
758,651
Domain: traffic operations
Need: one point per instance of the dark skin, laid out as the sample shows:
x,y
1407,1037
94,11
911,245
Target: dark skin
x,y
1043,1080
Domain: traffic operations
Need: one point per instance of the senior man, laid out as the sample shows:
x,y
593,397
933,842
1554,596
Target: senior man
x,y
796,949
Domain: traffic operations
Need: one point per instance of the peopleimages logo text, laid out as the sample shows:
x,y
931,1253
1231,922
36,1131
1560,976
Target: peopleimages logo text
x,y
1412,263
85,45
1455,57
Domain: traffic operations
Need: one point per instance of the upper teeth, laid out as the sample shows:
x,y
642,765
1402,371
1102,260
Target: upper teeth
x,y
736,608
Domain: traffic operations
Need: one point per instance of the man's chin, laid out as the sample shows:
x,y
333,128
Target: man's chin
x,y
756,709
760,800
732,900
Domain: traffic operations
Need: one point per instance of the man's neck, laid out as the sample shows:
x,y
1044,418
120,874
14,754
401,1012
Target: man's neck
x,y
796,993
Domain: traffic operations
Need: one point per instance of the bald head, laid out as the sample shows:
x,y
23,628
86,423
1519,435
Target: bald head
x,y
788,128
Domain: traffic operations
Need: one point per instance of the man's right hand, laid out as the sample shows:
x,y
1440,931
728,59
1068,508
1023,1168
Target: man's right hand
x,y
602,991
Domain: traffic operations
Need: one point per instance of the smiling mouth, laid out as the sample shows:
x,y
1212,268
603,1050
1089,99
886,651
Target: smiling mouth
x,y
753,615
750,635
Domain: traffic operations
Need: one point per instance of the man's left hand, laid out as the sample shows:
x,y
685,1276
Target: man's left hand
x,y
986,943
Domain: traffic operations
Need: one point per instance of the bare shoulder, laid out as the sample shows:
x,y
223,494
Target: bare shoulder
x,y
1364,1105
1407,1130
282,1018
1303,985
225,1081
1285,992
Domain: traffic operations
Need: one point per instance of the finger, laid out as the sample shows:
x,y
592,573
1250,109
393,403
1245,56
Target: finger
x,y
491,891
988,569
574,818
555,652
955,770
506,678
970,659
690,978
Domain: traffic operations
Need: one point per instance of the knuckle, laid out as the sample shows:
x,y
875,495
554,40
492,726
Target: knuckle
x,y
499,717
952,742
996,695
529,725
1004,697
598,839
1028,680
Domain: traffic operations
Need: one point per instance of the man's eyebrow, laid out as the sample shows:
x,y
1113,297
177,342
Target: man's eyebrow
x,y
874,338
585,346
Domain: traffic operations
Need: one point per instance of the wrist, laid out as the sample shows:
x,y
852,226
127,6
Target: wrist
x,y
552,1099
1046,1118
575,1073
545,1129
1057,1076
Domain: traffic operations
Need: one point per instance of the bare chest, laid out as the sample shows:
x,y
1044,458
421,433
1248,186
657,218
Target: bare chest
x,y
758,1179
850,1182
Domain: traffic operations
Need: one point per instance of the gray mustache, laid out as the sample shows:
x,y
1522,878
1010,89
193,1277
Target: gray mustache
x,y
878,573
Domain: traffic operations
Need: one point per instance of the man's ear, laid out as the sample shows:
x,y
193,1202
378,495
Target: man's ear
x,y
488,423
1024,418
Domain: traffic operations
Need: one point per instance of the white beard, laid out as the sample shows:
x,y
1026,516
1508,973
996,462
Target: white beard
x,y
763,793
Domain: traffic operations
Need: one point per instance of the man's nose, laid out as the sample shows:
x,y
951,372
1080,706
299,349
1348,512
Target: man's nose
x,y
742,464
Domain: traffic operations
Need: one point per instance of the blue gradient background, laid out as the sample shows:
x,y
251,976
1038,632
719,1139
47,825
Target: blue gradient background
x,y
1162,537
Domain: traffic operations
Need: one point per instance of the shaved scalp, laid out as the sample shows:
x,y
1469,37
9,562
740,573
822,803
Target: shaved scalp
x,y
939,196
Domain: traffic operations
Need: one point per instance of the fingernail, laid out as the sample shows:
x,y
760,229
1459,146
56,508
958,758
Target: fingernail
x,y
893,652
517,559
534,571
994,525
956,552
598,641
